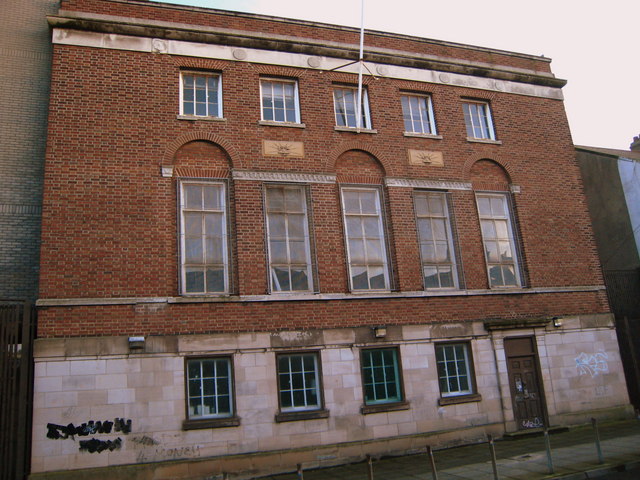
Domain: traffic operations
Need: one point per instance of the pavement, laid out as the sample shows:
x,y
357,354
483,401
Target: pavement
x,y
574,456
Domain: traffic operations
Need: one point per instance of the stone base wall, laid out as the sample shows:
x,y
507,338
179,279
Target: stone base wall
x,y
142,395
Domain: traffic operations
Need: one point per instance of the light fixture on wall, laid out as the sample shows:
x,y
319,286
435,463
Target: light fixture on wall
x,y
380,332
136,343
557,322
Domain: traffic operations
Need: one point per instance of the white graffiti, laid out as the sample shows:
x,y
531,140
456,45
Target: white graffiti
x,y
534,423
593,364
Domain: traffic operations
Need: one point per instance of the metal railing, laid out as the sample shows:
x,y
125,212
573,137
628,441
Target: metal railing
x,y
17,330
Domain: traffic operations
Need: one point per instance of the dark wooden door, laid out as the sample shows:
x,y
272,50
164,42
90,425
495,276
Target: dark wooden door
x,y
524,382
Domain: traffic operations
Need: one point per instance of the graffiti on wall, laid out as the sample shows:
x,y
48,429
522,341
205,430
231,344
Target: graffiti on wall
x,y
159,453
94,445
592,364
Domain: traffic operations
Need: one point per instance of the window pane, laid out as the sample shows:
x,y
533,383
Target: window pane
x,y
299,389
203,227
380,376
436,243
359,278
298,252
280,279
299,279
210,396
377,279
499,244
193,196
289,249
193,250
296,226
215,280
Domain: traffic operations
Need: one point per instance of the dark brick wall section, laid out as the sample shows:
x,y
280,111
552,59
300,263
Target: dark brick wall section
x,y
25,56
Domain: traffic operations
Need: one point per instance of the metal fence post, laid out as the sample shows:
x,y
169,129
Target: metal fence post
x,y
594,422
494,464
432,462
370,466
299,472
547,444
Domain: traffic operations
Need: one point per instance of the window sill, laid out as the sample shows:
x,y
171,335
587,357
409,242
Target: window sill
x,y
193,424
484,140
354,129
385,407
456,399
303,415
423,135
196,117
270,123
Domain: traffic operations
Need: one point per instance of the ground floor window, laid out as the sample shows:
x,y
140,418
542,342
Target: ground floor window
x,y
299,382
209,388
381,376
454,369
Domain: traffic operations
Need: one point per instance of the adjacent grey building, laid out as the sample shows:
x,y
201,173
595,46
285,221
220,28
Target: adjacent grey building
x,y
25,56
612,185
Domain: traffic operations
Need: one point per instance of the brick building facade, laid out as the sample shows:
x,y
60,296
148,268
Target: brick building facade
x,y
254,277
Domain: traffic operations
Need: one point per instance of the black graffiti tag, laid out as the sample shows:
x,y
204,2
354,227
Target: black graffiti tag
x,y
96,446
55,432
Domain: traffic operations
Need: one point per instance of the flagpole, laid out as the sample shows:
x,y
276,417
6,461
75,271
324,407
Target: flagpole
x,y
361,61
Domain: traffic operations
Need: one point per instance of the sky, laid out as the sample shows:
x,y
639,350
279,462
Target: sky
x,y
595,45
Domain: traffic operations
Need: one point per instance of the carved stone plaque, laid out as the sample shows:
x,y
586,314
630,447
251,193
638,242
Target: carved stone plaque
x,y
280,148
425,157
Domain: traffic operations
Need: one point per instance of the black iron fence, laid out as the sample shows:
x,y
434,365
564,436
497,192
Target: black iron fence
x,y
17,331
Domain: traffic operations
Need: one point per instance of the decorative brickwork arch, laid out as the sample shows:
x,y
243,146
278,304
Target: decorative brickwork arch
x,y
503,164
355,145
178,143
358,166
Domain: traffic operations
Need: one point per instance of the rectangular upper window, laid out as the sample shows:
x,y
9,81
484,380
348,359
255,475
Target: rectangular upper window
x,y
200,94
279,100
381,376
299,382
209,386
417,113
477,117
455,372
366,248
345,101
498,240
203,238
436,240
288,239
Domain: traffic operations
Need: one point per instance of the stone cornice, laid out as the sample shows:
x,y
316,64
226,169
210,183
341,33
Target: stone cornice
x,y
74,302
436,184
283,43
283,177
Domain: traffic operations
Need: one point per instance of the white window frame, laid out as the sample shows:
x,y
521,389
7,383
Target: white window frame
x,y
507,220
223,209
383,247
483,121
216,114
296,100
305,387
286,238
365,107
216,394
444,374
432,217
427,118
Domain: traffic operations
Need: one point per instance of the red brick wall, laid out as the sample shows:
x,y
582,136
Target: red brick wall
x,y
109,220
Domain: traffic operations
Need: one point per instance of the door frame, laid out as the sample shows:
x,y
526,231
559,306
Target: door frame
x,y
533,353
